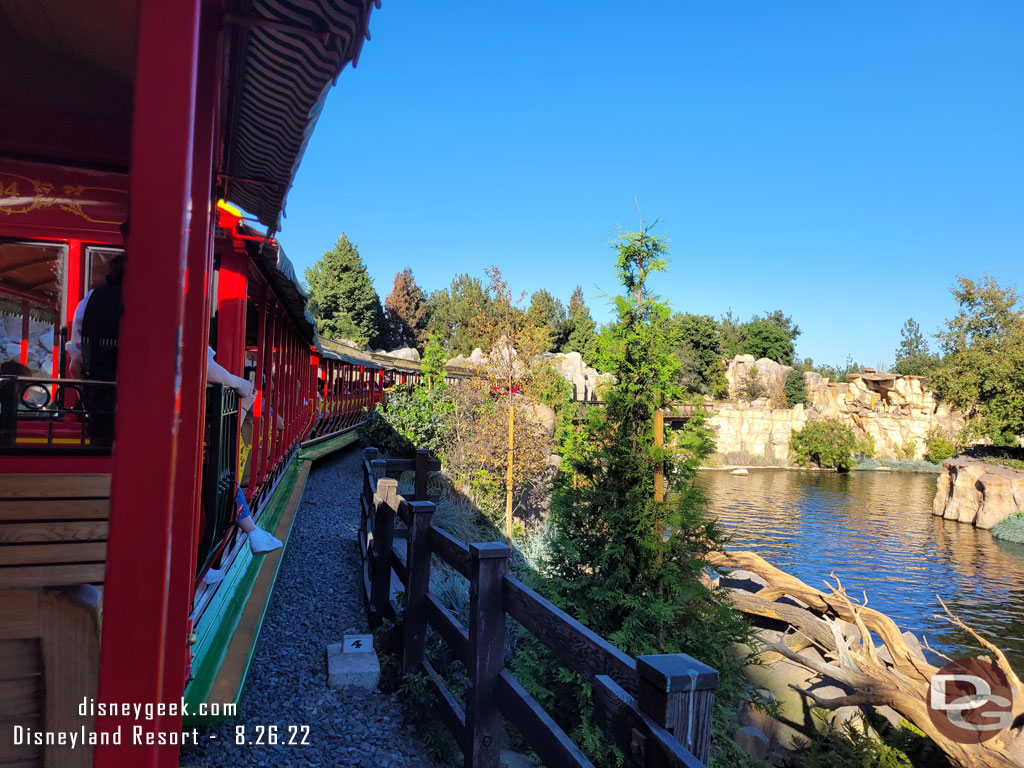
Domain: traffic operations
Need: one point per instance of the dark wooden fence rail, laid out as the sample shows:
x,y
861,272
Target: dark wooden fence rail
x,y
657,709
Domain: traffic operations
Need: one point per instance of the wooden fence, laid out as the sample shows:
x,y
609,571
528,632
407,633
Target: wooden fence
x,y
657,709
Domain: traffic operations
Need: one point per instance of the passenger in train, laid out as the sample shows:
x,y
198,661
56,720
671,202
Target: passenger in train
x,y
96,351
260,541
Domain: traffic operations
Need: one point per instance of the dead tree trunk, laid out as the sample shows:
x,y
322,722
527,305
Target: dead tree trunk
x,y
899,679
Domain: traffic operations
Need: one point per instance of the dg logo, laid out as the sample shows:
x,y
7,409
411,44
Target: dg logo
x,y
970,701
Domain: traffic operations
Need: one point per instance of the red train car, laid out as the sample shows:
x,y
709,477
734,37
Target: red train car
x,y
125,122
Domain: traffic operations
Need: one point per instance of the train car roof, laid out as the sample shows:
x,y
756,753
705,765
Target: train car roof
x,y
291,53
70,75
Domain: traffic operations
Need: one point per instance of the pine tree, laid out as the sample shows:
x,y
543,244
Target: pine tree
x,y
453,314
548,313
581,333
342,298
912,356
626,566
405,313
433,363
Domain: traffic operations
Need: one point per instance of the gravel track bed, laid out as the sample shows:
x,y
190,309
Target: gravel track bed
x,y
316,600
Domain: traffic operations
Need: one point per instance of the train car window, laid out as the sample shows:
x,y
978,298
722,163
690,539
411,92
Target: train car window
x,y
97,264
32,297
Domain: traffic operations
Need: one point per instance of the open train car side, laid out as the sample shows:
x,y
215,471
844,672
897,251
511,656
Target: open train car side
x,y
115,507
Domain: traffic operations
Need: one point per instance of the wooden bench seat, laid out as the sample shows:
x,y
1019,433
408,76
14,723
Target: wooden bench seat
x,y
49,662
53,529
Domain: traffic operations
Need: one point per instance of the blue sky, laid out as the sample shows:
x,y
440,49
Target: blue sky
x,y
840,161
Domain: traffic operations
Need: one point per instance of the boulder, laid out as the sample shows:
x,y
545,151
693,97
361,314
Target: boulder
x,y
405,353
972,491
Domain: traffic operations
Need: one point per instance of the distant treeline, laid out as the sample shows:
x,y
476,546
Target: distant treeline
x,y
978,365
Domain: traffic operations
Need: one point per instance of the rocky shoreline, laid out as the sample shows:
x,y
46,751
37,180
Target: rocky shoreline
x,y
974,491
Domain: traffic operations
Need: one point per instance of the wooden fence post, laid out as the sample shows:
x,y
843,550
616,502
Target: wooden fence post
x,y
422,455
370,454
414,632
380,561
659,469
379,468
678,692
486,655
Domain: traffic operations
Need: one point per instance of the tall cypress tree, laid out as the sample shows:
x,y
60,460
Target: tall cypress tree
x,y
628,567
405,312
581,330
342,298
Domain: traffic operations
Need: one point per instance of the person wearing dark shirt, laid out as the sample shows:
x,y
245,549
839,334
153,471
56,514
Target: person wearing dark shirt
x,y
100,331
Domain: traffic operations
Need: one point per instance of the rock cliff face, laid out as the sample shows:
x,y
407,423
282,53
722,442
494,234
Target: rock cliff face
x,y
585,380
897,412
972,491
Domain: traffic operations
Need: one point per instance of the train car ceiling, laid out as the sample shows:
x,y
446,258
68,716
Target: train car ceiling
x,y
69,72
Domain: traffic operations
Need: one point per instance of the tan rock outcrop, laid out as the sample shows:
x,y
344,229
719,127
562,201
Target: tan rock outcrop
x,y
896,412
971,491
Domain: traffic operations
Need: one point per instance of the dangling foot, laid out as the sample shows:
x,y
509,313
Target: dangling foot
x,y
261,542
213,576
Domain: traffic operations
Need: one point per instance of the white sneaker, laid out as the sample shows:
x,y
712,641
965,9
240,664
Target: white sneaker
x,y
214,576
261,542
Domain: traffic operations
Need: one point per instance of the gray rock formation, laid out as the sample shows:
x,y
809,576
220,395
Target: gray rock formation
x,y
586,381
404,353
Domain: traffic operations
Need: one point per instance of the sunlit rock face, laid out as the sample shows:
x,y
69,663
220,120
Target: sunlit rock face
x,y
897,412
586,381
972,491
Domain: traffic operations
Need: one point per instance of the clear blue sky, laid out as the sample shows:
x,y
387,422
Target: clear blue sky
x,y
840,161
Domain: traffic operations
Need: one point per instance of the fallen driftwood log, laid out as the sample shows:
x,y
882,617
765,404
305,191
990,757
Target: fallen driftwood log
x,y
896,675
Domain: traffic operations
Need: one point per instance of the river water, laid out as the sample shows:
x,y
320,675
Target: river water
x,y
875,530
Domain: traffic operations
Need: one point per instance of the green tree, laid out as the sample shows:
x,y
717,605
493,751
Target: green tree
x,y
912,356
405,313
795,388
983,370
731,335
988,312
342,298
433,363
548,313
453,314
581,333
765,337
626,566
698,348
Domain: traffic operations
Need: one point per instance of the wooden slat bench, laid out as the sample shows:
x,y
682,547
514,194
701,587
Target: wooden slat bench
x,y
53,529
49,662
53,548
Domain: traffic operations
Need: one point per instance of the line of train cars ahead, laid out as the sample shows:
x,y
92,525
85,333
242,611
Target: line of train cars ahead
x,y
123,578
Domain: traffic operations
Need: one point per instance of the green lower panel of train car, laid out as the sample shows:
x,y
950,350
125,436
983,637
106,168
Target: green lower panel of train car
x,y
229,627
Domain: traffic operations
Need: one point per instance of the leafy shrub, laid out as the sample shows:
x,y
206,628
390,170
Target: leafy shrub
x,y
751,386
795,389
906,451
828,443
1010,529
865,447
411,419
938,446
1003,461
852,746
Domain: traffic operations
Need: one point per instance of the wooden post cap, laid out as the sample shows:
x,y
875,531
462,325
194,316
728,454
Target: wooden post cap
x,y
674,672
421,507
489,549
